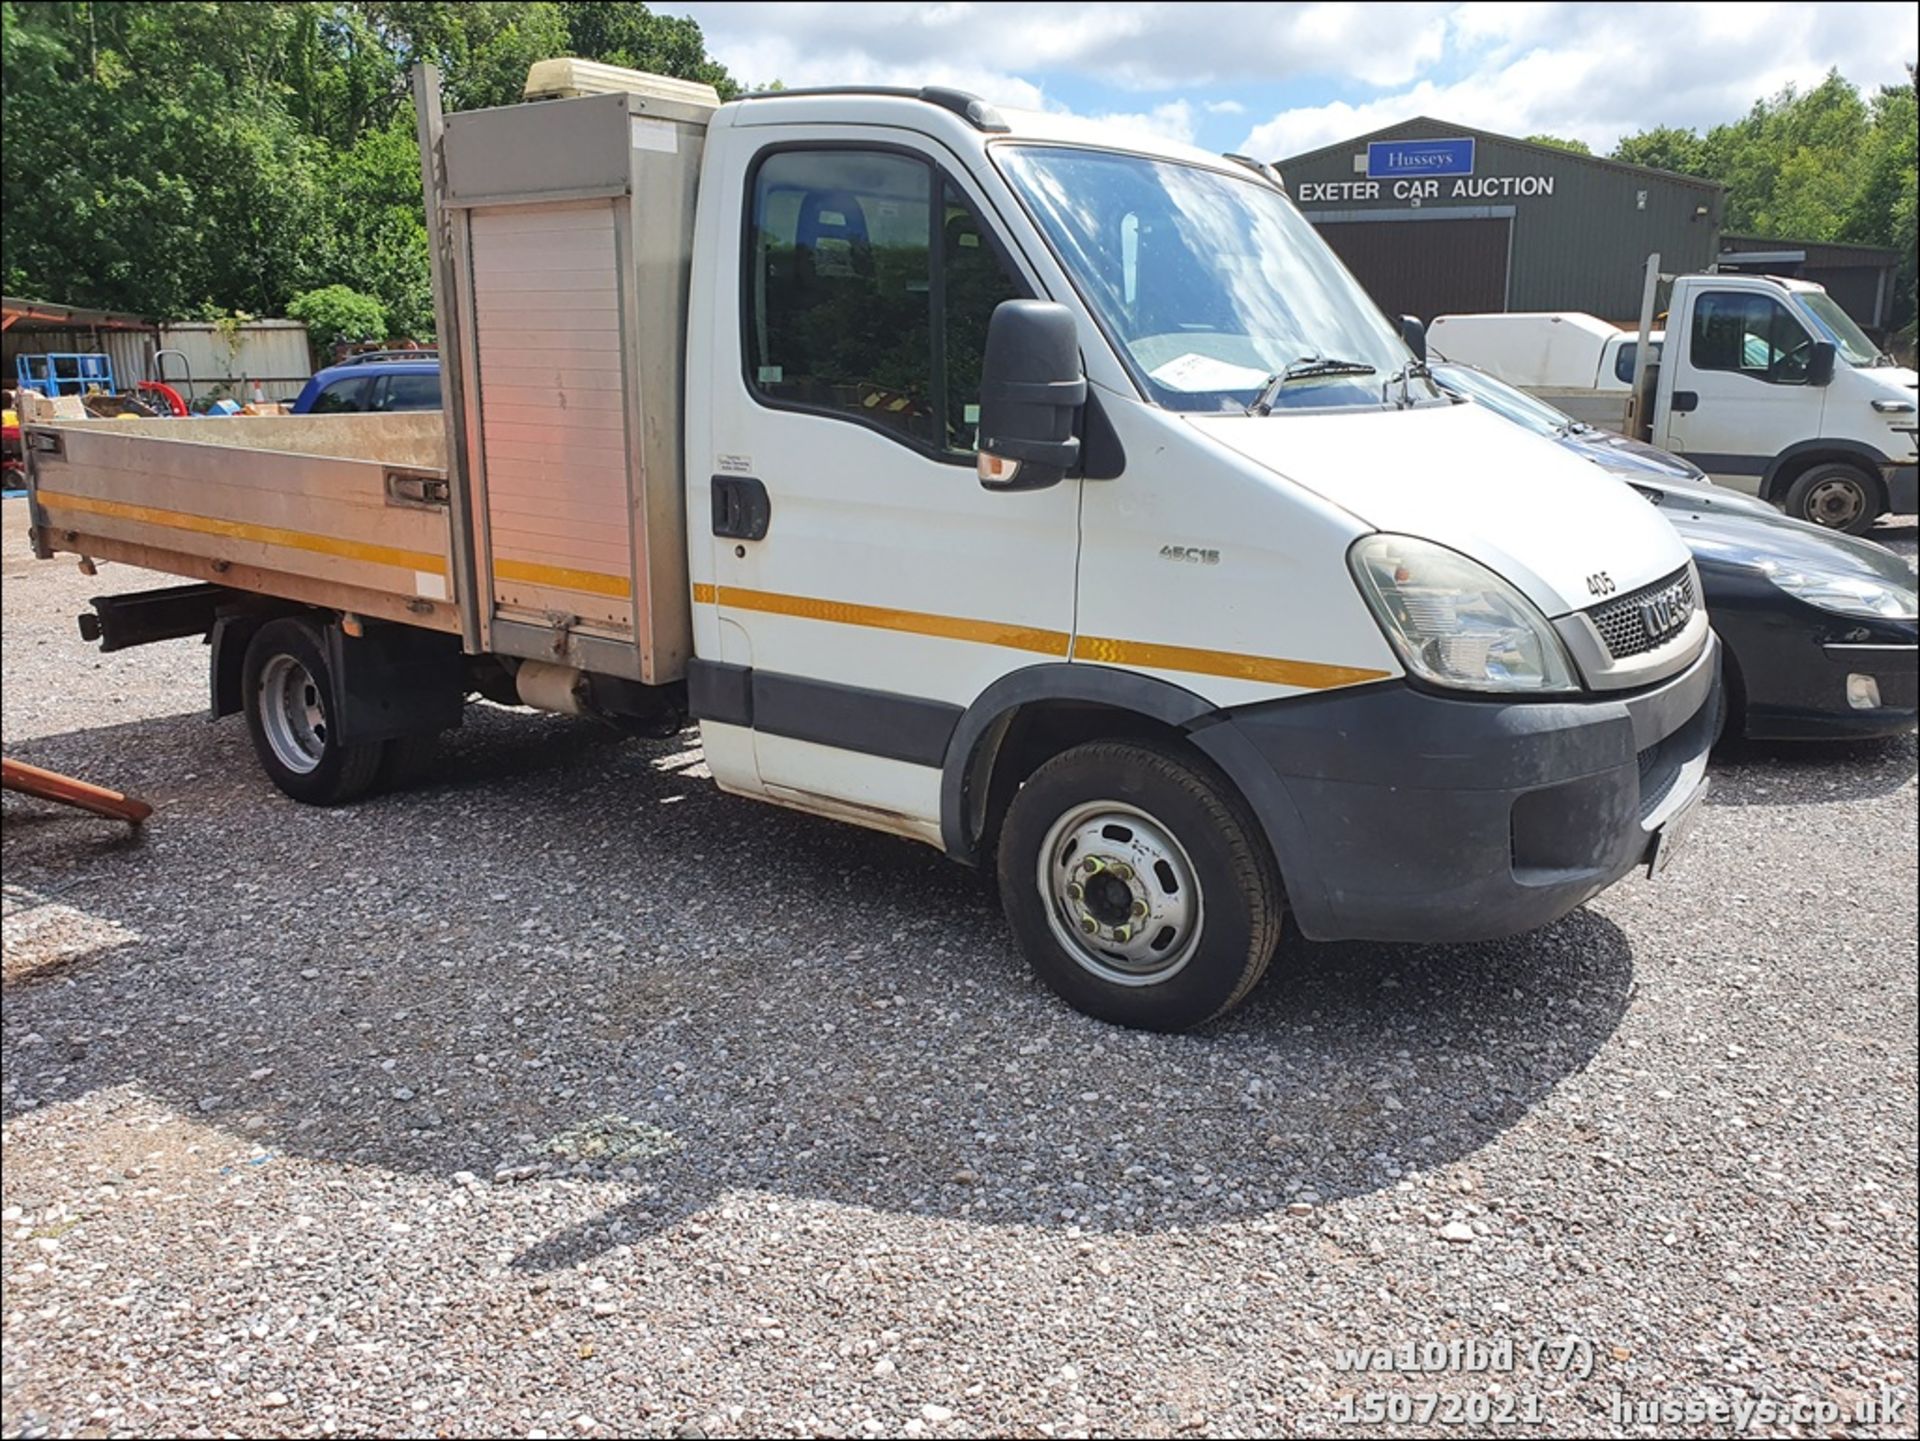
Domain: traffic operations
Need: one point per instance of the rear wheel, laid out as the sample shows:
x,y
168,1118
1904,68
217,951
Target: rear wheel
x,y
1138,885
1836,495
287,690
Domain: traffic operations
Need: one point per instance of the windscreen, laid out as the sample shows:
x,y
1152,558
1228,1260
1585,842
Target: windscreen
x,y
1208,284
1851,341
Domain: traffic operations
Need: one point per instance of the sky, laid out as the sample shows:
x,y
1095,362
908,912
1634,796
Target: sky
x,y
1273,80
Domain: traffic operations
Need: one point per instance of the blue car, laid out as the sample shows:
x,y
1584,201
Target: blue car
x,y
383,381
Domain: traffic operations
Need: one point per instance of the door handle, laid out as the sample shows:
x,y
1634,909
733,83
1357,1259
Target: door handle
x,y
1684,401
741,508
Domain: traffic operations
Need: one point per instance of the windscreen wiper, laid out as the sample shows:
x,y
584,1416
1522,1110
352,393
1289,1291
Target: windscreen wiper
x,y
1307,367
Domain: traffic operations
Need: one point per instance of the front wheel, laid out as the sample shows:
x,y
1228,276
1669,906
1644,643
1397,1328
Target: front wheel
x,y
287,689
1836,495
1138,885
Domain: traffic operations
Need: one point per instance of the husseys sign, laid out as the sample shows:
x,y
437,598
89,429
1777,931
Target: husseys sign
x,y
1424,170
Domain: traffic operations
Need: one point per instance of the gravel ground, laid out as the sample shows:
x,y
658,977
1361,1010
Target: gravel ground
x,y
565,1095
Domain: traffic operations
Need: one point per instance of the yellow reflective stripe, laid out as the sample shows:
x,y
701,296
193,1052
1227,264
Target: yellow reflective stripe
x,y
914,622
1149,655
246,530
1307,675
590,582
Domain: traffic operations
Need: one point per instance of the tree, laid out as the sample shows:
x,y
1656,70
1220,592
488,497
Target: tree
x,y
1793,161
1884,211
191,158
1665,147
1578,147
335,313
1822,164
631,35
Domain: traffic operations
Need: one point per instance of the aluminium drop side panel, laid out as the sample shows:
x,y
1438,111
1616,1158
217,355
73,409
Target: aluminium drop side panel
x,y
317,509
573,223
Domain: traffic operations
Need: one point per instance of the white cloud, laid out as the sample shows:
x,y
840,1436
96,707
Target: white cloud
x,y
1140,47
1173,121
1595,73
1589,71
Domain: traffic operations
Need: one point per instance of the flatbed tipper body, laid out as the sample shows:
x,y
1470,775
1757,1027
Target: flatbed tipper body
x,y
946,468
345,511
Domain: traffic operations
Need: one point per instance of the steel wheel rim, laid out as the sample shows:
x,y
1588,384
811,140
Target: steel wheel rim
x,y
293,714
1836,503
1121,893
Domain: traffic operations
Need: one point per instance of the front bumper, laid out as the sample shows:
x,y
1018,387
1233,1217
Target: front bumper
x,y
1808,701
1398,815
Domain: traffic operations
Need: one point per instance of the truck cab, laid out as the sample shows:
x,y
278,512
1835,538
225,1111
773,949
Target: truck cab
x,y
1276,551
1769,386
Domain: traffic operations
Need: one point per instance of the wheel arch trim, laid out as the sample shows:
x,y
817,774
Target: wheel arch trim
x,y
1802,455
973,750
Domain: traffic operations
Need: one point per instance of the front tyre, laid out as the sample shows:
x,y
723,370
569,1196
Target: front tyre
x,y
1836,495
1138,885
287,689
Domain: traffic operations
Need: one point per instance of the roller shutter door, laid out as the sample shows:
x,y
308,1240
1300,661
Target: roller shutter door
x,y
1426,267
552,413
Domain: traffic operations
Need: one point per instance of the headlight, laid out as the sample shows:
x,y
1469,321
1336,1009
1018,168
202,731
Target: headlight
x,y
1848,594
1454,622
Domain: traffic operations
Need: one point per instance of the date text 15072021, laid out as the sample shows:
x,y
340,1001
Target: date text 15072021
x,y
1430,1408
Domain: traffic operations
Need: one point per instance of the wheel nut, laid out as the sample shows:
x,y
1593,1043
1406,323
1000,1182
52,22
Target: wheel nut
x,y
1092,866
1075,890
1123,933
1139,910
1123,872
1088,925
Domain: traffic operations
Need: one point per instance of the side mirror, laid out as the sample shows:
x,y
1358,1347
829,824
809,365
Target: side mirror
x,y
1031,391
1820,363
1414,331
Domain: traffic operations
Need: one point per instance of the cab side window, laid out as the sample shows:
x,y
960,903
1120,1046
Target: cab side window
x,y
1624,357
1754,335
870,283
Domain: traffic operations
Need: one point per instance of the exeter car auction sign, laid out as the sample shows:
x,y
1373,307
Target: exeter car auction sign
x,y
1417,170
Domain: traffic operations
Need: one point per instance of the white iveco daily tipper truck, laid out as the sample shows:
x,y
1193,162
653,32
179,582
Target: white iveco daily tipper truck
x,y
1055,500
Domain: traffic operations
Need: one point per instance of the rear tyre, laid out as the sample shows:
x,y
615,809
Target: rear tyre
x,y
1836,495
1138,885
287,690
409,760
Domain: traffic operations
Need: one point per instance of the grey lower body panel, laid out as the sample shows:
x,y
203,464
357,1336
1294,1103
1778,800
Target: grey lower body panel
x,y
1399,815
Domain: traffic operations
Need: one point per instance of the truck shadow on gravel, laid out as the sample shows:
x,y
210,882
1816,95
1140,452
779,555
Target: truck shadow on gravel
x,y
565,956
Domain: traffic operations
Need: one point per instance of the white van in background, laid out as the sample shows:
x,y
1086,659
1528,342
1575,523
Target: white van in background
x,y
1773,390
1549,348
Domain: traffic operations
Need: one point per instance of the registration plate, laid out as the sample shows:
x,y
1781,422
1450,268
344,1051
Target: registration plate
x,y
1672,837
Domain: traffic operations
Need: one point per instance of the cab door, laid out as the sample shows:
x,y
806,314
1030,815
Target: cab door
x,y
1738,395
861,572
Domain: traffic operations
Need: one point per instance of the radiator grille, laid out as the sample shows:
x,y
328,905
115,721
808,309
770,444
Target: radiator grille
x,y
1647,618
